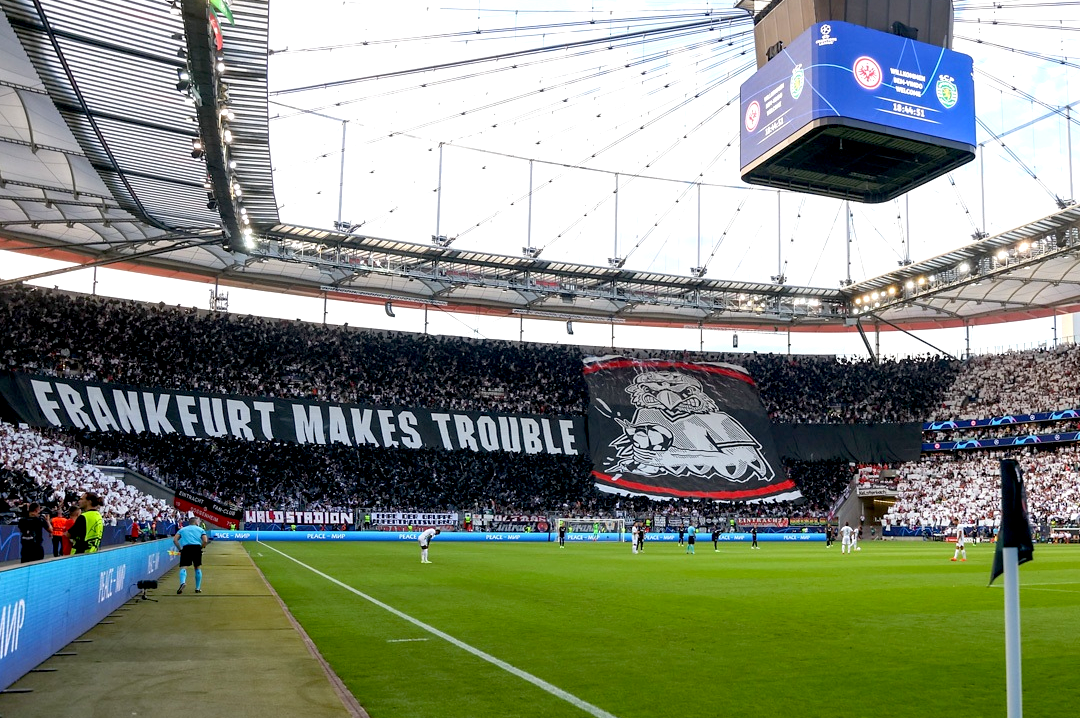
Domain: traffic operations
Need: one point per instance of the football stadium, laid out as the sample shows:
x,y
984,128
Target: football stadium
x,y
539,359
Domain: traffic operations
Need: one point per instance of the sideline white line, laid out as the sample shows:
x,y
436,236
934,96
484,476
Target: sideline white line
x,y
1049,583
538,682
404,640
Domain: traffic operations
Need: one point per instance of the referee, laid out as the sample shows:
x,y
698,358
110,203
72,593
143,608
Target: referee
x,y
191,540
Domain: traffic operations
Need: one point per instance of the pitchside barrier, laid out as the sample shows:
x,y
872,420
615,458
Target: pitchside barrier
x,y
11,539
46,605
480,536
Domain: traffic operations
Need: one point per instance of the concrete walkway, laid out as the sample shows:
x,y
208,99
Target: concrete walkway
x,y
232,651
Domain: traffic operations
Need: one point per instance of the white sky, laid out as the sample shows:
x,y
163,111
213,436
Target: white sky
x,y
594,105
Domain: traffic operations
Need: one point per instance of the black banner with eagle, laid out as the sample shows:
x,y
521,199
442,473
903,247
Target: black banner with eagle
x,y
670,429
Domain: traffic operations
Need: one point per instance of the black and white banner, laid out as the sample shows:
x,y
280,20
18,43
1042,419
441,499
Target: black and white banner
x,y
73,404
678,429
401,518
292,516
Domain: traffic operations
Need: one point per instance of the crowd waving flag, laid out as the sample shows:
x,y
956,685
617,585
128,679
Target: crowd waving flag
x,y
674,429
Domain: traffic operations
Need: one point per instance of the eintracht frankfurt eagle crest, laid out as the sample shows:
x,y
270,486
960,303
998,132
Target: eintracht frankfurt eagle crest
x,y
678,429
665,428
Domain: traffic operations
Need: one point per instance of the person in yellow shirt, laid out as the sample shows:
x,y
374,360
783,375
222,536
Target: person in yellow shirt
x,y
86,533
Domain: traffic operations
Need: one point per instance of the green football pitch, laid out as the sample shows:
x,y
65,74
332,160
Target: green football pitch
x,y
508,630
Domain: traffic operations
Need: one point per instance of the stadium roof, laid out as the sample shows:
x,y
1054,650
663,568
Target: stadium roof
x,y
109,160
96,156
1027,272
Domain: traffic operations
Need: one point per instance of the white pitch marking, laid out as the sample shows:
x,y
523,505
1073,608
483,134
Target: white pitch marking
x,y
538,682
1033,585
404,640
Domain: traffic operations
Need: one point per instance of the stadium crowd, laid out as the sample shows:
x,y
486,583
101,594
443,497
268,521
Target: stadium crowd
x,y
964,487
56,333
290,476
1018,382
829,390
146,345
158,346
37,469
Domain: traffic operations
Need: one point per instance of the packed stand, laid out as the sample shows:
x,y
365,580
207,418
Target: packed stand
x,y
291,476
58,477
158,346
144,345
826,390
965,487
17,489
1015,383
837,390
148,345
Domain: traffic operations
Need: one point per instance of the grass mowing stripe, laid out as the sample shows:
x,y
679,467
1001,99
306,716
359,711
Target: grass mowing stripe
x,y
538,682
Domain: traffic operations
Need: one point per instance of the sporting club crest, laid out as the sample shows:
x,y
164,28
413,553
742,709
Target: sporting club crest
x,y
798,81
947,93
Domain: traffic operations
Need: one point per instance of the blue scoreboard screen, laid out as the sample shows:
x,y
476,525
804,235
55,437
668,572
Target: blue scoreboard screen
x,y
836,69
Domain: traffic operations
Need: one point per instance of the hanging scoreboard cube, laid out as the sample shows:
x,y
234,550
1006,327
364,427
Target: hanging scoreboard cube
x,y
850,112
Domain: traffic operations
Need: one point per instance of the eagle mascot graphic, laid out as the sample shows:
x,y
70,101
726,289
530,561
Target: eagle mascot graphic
x,y
678,430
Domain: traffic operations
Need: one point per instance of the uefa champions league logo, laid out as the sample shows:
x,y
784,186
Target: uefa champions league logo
x,y
947,93
798,81
826,36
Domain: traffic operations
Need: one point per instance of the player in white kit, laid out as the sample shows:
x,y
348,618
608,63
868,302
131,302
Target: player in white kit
x,y
959,551
634,536
845,538
425,540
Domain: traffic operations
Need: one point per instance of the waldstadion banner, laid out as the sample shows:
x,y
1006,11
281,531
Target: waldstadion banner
x,y
291,516
73,404
681,429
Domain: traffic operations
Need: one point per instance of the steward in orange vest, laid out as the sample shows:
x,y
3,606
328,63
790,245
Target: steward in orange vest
x,y
59,525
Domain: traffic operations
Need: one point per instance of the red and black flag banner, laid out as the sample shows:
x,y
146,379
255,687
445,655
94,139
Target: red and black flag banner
x,y
670,429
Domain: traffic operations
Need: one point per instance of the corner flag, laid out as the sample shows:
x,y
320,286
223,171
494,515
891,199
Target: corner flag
x,y
1015,531
1013,548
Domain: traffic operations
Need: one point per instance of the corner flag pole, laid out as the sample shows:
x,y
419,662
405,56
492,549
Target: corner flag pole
x,y
1013,682
1014,547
